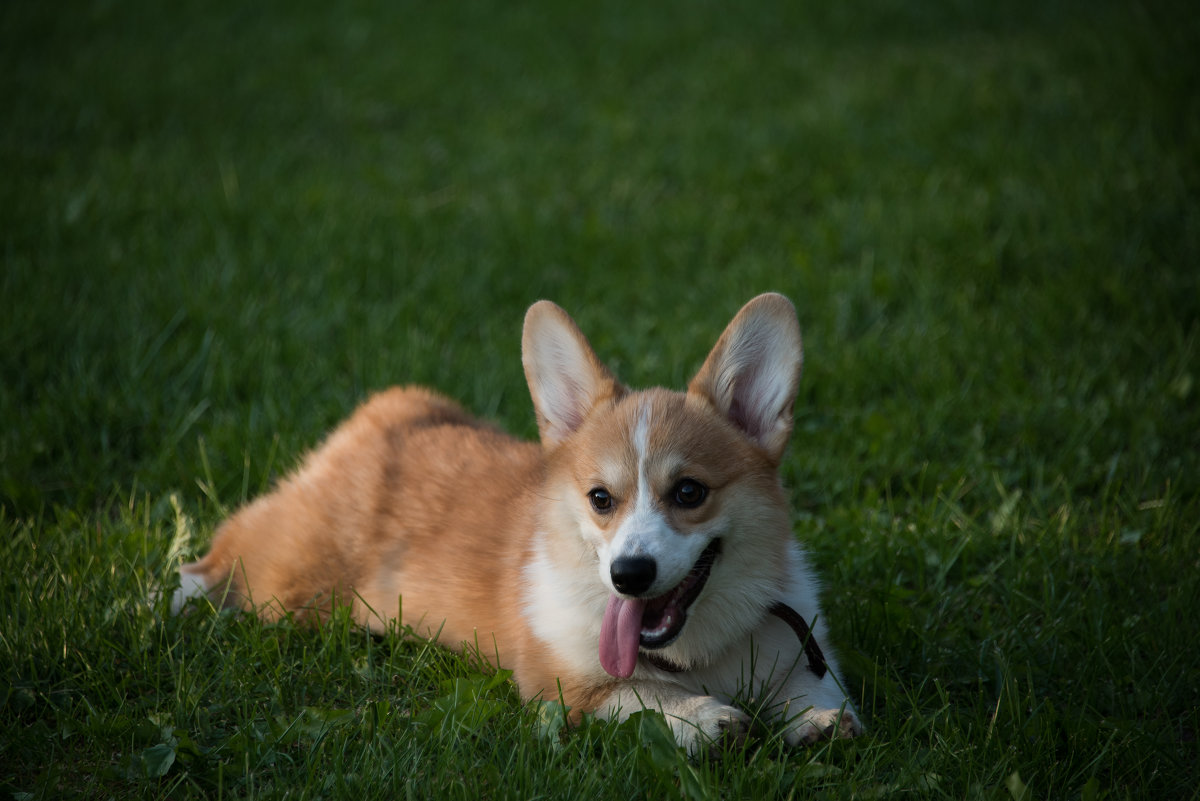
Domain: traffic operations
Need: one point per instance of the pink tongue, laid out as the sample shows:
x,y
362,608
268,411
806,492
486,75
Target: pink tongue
x,y
620,633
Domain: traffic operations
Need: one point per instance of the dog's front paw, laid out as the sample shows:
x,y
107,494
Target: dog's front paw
x,y
729,726
709,725
823,724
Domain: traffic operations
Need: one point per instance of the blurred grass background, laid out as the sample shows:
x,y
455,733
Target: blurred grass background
x,y
224,224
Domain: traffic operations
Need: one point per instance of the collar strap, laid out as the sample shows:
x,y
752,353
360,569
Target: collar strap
x,y
816,659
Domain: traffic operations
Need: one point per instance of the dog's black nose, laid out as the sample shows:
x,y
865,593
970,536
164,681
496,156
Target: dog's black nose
x,y
633,575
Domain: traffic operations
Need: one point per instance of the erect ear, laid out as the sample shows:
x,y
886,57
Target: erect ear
x,y
753,371
565,378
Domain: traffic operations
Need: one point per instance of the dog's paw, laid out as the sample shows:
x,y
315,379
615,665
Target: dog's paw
x,y
823,724
730,726
710,726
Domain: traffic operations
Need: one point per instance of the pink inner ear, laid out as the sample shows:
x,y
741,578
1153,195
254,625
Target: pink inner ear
x,y
570,411
746,422
747,402
565,407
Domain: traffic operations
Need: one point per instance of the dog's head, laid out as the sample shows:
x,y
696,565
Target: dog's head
x,y
676,494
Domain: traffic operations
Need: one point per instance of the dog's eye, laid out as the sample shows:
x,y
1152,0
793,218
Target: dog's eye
x,y
601,500
690,493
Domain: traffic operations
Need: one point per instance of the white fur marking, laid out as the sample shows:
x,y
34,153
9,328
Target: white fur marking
x,y
644,512
641,440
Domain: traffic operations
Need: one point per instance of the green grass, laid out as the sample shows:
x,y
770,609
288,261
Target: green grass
x,y
222,225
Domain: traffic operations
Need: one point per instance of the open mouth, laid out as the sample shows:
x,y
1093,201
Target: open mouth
x,y
650,623
664,616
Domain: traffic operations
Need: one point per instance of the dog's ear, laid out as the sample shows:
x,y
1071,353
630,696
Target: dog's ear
x,y
753,371
565,378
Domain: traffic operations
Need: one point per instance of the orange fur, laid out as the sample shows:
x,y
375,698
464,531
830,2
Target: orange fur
x,y
387,485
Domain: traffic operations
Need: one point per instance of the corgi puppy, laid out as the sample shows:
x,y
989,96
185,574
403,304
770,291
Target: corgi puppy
x,y
641,555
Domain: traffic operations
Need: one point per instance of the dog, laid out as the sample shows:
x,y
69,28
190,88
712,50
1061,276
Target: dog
x,y
640,556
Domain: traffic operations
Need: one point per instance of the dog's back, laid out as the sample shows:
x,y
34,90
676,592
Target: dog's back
x,y
410,493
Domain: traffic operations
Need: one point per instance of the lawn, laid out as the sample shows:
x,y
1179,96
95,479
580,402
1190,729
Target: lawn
x,y
222,225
